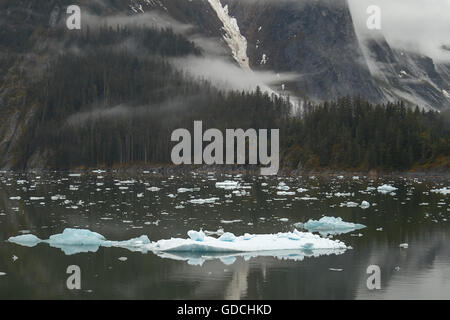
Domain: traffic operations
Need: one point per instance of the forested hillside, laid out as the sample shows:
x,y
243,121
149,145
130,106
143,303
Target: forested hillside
x,y
111,96
353,134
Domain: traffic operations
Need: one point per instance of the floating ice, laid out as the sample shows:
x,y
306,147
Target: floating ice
x,y
365,205
196,235
386,188
249,243
203,201
443,191
285,193
27,240
404,245
227,185
72,241
330,225
227,236
283,187
349,204
230,221
184,190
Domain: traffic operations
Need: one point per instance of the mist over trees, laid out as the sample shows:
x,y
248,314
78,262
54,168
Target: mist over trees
x,y
109,96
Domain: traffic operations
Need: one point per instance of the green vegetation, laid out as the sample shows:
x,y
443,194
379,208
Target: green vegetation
x,y
352,134
111,96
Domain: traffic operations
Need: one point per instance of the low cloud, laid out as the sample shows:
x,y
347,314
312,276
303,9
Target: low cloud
x,y
420,26
149,20
228,75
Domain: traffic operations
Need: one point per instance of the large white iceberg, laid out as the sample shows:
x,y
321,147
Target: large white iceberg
x,y
330,225
73,241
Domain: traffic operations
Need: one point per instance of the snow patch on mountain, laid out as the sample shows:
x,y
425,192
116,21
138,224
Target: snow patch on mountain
x,y
233,37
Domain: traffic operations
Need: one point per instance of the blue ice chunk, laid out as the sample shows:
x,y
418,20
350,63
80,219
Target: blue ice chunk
x,y
77,237
227,236
196,235
331,225
27,240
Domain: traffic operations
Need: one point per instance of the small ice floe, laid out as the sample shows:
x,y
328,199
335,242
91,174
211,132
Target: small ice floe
x,y
75,175
219,232
184,190
203,201
15,198
443,191
356,235
343,194
26,240
123,259
336,270
404,245
140,195
386,188
196,235
365,205
284,219
301,190
230,221
397,268
379,229
153,189
227,185
2,274
227,236
285,193
330,225
15,258
37,198
308,198
349,204
283,187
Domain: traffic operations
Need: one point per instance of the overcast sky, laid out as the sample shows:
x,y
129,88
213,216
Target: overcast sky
x,y
419,25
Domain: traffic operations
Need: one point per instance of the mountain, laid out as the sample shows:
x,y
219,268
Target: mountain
x,y
50,77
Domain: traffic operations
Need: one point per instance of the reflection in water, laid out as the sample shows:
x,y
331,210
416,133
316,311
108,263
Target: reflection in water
x,y
108,204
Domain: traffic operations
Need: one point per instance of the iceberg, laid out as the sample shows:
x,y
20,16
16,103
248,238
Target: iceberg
x,y
73,241
203,201
330,225
249,243
227,185
365,205
443,191
386,188
26,240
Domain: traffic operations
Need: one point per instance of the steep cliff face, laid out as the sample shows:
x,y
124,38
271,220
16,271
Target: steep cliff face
x,y
317,40
408,76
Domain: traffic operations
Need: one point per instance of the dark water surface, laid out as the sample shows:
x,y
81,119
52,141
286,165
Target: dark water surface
x,y
123,207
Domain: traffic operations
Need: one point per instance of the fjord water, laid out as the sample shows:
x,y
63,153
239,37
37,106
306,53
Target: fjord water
x,y
121,207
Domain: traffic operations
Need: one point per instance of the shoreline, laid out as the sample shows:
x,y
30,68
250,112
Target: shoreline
x,y
165,170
